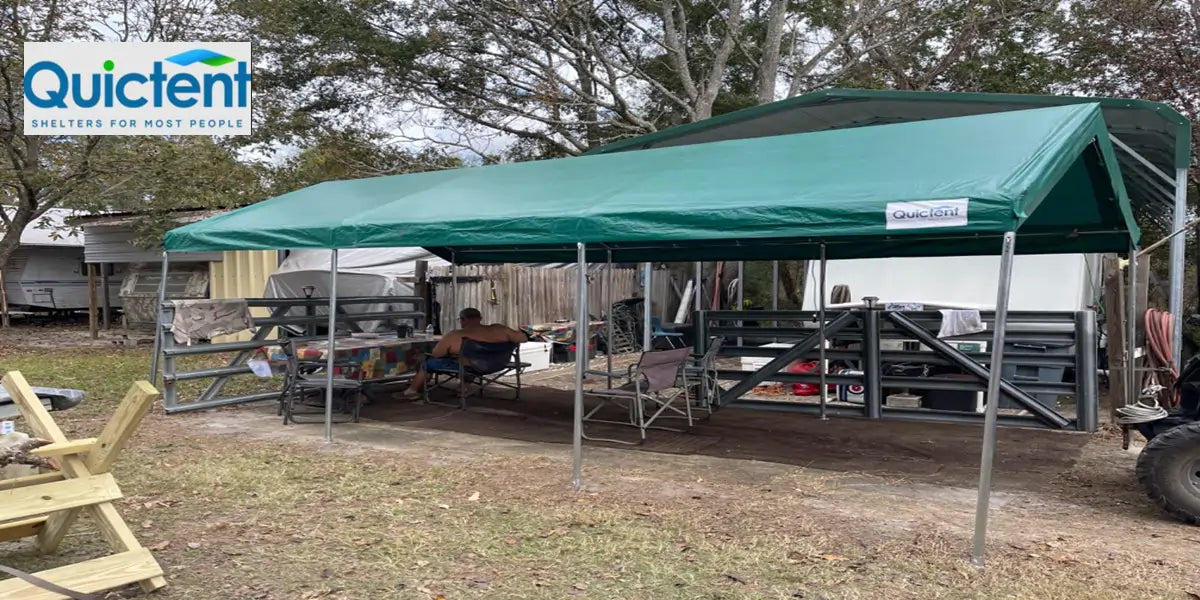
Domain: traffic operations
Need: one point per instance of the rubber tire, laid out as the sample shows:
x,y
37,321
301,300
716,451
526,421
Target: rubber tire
x,y
1159,469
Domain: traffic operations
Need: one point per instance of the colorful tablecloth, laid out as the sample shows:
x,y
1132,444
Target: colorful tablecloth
x,y
560,333
377,358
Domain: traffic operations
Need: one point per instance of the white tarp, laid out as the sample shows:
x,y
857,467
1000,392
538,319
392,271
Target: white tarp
x,y
1042,282
361,272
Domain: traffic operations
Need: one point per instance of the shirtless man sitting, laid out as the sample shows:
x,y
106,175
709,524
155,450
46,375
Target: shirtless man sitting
x,y
445,354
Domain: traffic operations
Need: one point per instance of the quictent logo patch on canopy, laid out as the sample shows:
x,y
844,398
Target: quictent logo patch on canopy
x,y
154,88
927,213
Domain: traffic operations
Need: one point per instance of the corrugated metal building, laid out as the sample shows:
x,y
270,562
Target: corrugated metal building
x,y
112,239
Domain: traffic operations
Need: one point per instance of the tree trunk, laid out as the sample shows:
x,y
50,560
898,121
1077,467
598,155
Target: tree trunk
x,y
768,66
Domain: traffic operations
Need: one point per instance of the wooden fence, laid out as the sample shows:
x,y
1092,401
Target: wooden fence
x,y
517,295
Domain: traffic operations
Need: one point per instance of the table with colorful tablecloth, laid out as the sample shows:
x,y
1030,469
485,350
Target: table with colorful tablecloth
x,y
559,333
383,357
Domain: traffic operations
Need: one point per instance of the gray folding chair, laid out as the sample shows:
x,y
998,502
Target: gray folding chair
x,y
703,376
648,394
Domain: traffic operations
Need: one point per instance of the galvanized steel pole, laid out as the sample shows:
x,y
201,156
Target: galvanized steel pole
x,y
581,331
741,299
1132,390
821,317
608,328
332,335
158,324
648,278
453,288
979,543
1178,247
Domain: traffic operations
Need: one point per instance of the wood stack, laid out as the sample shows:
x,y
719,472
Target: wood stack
x,y
46,505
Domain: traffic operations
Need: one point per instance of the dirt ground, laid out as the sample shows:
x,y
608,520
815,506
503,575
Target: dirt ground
x,y
424,501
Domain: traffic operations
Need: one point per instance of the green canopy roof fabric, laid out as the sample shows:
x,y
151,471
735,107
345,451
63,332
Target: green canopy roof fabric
x,y
941,187
1154,130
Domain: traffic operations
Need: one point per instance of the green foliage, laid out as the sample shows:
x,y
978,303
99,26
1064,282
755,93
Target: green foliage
x,y
321,64
153,176
351,155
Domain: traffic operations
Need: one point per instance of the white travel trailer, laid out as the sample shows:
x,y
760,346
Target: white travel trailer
x,y
46,273
1057,282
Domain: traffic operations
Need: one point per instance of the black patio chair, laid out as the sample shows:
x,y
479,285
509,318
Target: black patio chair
x,y
481,364
306,376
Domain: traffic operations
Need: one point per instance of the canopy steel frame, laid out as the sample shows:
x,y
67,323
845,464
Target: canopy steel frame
x,y
647,313
329,355
1178,183
983,499
581,365
785,239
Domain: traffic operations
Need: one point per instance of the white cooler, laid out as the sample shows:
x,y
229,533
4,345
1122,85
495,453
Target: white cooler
x,y
537,354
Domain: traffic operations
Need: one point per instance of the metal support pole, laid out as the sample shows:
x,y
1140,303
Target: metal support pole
x,y
872,369
332,334
741,299
581,330
993,401
775,292
648,279
1087,396
608,328
1132,390
775,283
1178,247
453,288
698,299
822,365
158,324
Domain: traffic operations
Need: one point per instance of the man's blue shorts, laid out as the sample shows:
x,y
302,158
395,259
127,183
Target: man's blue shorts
x,y
445,363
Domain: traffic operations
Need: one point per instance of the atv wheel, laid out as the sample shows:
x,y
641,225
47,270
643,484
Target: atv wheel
x,y
1169,470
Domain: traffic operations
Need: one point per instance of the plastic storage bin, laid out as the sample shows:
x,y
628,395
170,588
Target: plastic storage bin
x,y
1025,374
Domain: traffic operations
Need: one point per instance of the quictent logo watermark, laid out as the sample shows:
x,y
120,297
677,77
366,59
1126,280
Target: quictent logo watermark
x,y
153,88
927,213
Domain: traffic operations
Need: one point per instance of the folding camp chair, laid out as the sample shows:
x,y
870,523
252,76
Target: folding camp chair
x,y
652,386
306,376
703,376
482,364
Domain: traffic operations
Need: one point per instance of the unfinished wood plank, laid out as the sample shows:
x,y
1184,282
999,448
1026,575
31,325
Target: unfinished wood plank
x,y
21,529
20,482
64,448
44,499
138,400
114,529
88,577
1114,324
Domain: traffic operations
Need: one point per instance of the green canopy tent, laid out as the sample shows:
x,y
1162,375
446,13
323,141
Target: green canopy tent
x,y
1153,144
1047,172
1034,181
